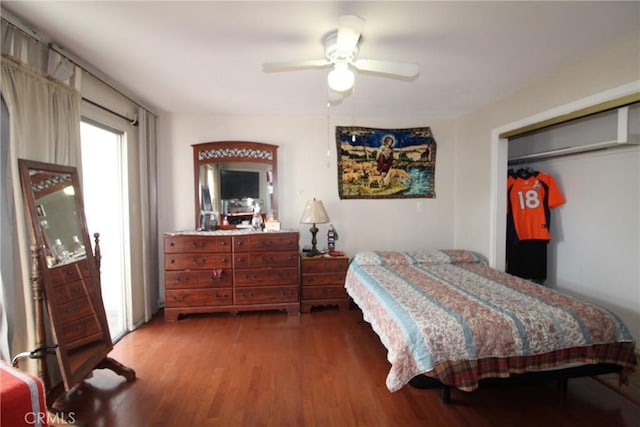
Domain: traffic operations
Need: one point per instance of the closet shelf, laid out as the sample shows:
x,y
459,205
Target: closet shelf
x,y
545,155
624,138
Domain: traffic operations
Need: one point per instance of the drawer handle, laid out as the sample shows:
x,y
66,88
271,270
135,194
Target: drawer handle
x,y
246,294
172,244
216,274
220,296
179,297
198,244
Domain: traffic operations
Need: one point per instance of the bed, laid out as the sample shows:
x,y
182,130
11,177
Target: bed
x,y
22,398
445,315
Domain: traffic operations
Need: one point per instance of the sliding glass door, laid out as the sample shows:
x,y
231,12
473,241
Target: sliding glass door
x,y
105,199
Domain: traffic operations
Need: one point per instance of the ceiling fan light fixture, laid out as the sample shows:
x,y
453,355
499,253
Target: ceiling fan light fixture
x,y
341,78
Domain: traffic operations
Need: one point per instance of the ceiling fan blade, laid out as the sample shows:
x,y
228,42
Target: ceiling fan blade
x,y
271,67
403,69
349,30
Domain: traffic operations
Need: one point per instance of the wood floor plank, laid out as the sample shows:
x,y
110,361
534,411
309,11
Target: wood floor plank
x,y
326,368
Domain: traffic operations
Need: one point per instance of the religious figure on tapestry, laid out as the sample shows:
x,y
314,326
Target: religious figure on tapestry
x,y
385,163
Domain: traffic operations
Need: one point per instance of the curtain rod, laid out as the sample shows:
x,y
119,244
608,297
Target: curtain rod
x,y
44,40
95,73
133,121
17,23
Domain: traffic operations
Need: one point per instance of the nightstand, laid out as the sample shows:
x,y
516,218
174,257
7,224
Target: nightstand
x,y
323,282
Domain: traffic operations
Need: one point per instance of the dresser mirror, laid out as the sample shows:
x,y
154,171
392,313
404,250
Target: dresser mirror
x,y
65,268
234,181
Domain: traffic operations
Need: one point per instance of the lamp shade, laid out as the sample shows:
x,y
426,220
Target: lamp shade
x,y
314,213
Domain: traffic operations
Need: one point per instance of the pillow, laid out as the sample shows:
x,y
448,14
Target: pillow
x,y
429,256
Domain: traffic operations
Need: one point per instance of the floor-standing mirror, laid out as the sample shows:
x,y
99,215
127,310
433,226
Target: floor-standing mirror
x,y
67,270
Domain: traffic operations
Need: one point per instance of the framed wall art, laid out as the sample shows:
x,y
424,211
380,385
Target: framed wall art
x,y
385,163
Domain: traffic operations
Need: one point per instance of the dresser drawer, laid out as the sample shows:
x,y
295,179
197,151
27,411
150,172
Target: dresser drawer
x,y
265,259
81,331
183,243
198,297
266,242
266,276
275,294
324,265
324,292
323,279
65,274
192,261
215,278
69,292
83,266
73,310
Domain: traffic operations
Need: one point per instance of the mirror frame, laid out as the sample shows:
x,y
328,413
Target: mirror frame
x,y
75,361
234,151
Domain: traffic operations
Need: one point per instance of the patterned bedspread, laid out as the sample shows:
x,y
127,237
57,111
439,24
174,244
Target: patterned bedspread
x,y
449,315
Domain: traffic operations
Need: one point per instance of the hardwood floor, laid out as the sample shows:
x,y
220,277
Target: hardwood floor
x,y
326,368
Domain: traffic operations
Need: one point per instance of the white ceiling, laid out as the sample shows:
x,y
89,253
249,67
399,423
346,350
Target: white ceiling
x,y
206,56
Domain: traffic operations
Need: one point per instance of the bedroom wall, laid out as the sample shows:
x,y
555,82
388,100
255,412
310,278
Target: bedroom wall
x,y
459,216
587,276
304,172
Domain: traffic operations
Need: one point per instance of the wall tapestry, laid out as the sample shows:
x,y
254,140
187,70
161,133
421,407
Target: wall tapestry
x,y
385,163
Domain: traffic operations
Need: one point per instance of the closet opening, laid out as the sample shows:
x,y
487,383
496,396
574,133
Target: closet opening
x,y
594,244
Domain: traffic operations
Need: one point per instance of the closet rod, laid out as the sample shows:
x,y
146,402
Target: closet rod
x,y
561,152
133,121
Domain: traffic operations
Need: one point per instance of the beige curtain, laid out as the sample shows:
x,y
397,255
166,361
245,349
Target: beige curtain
x,y
45,120
149,203
44,125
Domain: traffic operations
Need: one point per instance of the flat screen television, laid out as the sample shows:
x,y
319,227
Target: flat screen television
x,y
239,184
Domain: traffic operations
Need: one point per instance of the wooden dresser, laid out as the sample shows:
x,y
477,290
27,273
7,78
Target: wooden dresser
x,y
323,282
230,271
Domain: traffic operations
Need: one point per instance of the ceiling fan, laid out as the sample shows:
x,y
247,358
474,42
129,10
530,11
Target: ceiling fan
x,y
341,51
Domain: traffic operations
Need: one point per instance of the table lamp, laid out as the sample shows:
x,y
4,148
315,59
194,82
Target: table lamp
x,y
314,213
